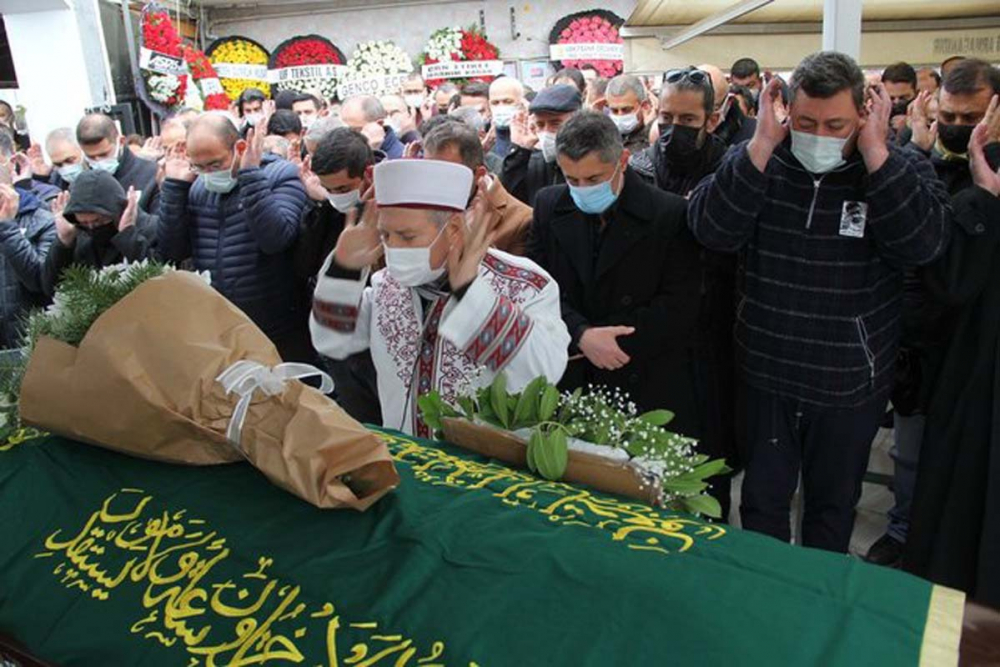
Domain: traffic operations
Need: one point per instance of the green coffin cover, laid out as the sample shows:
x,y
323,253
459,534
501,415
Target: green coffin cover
x,y
107,560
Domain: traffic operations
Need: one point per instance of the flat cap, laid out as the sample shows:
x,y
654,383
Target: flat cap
x,y
562,98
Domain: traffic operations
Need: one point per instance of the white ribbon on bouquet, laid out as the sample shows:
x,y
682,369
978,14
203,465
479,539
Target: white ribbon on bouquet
x,y
245,377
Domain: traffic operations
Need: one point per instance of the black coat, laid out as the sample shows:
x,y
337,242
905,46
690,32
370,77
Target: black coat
x,y
525,172
646,274
318,233
954,536
132,171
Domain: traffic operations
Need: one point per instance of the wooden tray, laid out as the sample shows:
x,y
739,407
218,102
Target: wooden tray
x,y
583,468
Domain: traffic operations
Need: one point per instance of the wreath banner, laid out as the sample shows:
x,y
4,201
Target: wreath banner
x,y
373,85
462,69
241,71
284,75
161,63
593,51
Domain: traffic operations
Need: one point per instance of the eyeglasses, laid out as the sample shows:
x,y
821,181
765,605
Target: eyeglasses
x,y
692,74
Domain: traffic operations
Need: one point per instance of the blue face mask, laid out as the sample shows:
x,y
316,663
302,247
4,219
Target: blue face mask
x,y
594,199
221,181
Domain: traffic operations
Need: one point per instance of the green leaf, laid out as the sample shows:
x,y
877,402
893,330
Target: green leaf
x,y
553,455
710,469
498,399
706,505
468,407
548,403
536,436
430,409
684,487
657,417
526,412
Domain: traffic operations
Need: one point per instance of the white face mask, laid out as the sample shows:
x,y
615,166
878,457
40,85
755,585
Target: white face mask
x,y
344,201
414,100
547,142
817,154
109,164
411,267
69,172
626,123
254,119
503,114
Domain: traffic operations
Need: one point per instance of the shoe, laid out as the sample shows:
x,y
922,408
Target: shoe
x,y
887,551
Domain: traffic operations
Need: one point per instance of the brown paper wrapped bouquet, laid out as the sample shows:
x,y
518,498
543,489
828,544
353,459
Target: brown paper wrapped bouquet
x,y
170,370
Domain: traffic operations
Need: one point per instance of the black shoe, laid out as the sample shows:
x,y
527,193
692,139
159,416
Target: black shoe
x,y
887,551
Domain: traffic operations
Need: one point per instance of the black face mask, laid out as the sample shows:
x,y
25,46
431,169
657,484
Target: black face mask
x,y
731,124
680,145
899,108
955,137
101,235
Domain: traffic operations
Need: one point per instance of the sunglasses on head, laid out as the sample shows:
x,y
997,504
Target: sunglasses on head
x,y
691,74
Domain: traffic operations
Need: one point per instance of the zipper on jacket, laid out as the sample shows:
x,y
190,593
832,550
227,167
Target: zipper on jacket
x,y
869,356
812,205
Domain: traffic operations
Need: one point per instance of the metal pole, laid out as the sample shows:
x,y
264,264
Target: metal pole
x,y
842,26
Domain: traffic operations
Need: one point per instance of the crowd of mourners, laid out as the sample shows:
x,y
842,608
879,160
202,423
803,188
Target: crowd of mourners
x,y
787,265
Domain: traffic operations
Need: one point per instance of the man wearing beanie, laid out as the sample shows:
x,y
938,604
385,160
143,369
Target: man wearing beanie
x,y
98,225
447,313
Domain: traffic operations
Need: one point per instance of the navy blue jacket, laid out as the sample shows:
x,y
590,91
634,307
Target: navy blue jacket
x,y
24,243
243,238
819,308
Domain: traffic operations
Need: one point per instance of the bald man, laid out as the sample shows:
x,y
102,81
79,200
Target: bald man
x,y
234,210
506,98
366,114
734,127
104,148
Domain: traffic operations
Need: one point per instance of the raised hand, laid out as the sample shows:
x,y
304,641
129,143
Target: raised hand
x,y
490,139
9,202
65,230
295,151
924,129
521,132
359,244
152,149
986,132
771,131
131,211
375,134
413,149
600,346
875,131
310,181
38,164
470,238
22,168
255,149
177,166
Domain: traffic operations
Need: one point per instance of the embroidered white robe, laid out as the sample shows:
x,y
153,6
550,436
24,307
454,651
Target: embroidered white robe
x,y
508,320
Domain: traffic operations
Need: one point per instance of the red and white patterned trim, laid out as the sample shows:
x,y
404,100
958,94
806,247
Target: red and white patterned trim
x,y
498,266
501,336
340,317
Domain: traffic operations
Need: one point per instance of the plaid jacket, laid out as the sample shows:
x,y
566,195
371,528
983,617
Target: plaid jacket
x,y
820,296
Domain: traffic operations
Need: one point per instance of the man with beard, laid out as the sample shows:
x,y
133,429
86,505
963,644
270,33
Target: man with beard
x,y
97,225
630,110
900,81
686,151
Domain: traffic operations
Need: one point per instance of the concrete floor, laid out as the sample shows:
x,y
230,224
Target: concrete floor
x,y
876,500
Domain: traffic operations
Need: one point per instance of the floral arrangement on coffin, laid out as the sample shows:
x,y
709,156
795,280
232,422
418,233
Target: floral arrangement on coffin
x,y
164,76
458,44
599,423
308,50
597,26
213,94
378,58
202,385
235,53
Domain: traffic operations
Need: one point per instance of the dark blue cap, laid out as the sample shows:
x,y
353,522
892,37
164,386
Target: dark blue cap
x,y
562,98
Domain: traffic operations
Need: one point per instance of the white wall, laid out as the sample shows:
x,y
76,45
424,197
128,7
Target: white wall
x,y
410,26
48,53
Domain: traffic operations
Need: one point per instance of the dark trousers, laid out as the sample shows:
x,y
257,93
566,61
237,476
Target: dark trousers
x,y
829,446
